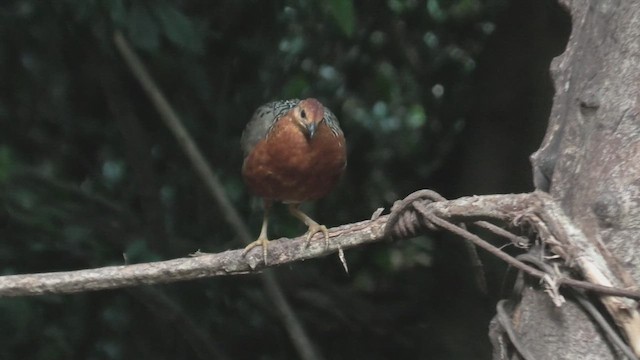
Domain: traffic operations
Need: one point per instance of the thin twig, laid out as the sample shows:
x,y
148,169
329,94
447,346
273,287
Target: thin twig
x,y
508,208
518,241
605,290
453,228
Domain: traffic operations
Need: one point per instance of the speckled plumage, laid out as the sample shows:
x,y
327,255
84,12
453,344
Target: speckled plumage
x,y
262,120
294,151
266,116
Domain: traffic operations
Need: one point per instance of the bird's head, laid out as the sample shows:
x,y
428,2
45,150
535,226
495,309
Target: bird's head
x,y
308,115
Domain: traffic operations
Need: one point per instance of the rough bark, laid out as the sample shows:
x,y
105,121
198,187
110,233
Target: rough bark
x,y
201,265
589,162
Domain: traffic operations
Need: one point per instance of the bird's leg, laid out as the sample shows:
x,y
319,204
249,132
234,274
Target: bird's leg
x,y
262,240
314,227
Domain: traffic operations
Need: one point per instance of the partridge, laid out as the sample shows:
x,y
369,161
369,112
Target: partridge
x,y
294,151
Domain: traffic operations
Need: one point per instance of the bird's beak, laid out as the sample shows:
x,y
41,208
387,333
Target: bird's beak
x,y
311,129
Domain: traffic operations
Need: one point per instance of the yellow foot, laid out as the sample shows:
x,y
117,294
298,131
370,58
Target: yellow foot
x,y
262,241
314,228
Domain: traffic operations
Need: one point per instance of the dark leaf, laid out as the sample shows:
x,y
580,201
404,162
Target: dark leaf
x,y
344,14
178,28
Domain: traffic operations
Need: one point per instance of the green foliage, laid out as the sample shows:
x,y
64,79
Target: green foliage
x,y
88,172
344,14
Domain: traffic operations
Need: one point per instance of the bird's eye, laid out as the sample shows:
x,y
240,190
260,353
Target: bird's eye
x,y
303,114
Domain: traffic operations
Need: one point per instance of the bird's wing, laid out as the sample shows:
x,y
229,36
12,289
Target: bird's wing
x,y
262,121
332,121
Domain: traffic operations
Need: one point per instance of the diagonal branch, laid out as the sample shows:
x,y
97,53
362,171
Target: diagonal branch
x,y
172,121
230,262
545,216
296,331
284,251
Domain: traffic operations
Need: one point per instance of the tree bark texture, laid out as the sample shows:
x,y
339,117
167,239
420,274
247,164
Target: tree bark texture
x,y
589,162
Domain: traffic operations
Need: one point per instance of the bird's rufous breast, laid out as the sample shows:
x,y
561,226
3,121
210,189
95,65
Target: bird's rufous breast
x,y
289,164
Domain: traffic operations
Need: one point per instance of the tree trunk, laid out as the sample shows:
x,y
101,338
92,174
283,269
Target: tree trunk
x,y
589,162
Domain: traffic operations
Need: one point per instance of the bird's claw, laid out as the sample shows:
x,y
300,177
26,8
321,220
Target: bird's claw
x,y
260,242
316,228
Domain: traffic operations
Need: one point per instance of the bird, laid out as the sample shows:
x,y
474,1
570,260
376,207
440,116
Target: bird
x,y
294,151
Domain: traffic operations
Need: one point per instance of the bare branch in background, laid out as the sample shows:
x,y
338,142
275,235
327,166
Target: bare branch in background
x,y
298,335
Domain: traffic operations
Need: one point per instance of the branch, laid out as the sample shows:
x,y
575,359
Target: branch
x,y
563,235
415,214
425,209
172,121
284,251
231,262
540,211
296,331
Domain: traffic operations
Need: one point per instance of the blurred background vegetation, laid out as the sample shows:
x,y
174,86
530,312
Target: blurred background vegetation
x,y
451,95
